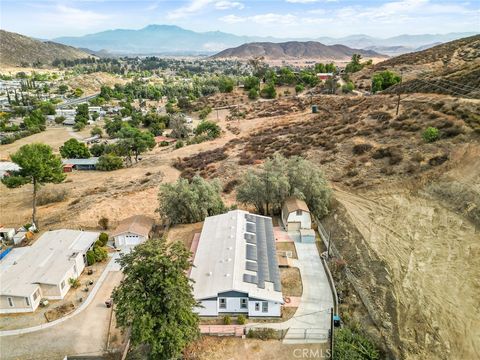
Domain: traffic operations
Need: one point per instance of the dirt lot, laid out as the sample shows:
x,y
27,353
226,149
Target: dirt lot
x,y
291,282
213,348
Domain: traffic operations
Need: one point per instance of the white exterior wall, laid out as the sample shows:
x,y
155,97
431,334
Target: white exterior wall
x,y
209,308
233,305
274,309
128,239
304,219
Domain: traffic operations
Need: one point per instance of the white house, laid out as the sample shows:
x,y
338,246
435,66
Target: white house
x,y
235,267
132,231
43,270
296,215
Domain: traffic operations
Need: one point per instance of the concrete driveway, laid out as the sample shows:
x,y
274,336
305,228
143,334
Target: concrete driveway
x,y
83,334
311,322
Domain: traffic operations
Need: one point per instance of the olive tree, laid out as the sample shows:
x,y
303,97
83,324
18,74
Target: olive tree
x,y
279,178
186,202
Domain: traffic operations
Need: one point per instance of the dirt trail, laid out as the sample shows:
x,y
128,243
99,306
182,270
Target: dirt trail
x,y
433,257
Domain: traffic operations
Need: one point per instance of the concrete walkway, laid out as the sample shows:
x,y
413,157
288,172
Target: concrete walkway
x,y
311,322
111,266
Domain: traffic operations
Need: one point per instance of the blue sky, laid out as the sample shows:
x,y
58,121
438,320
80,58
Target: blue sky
x,y
279,18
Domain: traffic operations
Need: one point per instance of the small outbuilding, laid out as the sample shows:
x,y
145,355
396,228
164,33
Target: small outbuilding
x,y
296,215
80,164
133,231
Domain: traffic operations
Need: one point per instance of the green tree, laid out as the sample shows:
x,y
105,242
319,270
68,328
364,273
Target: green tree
x,y
38,166
431,134
97,130
178,124
47,108
299,88
354,65
134,141
251,82
109,162
383,80
74,149
269,92
279,178
253,94
62,89
155,298
59,119
186,202
208,128
348,87
78,92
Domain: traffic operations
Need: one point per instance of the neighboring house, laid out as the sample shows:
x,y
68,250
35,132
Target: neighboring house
x,y
295,215
235,267
133,231
324,76
6,167
80,164
31,273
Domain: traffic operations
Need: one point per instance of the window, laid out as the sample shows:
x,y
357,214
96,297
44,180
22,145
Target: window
x,y
243,303
264,306
299,212
257,306
27,300
223,303
35,295
62,285
75,269
10,301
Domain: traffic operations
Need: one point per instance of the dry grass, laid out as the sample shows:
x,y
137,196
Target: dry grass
x,y
51,195
287,246
291,282
184,233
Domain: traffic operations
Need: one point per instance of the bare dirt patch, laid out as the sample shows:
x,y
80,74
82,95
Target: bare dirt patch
x,y
291,282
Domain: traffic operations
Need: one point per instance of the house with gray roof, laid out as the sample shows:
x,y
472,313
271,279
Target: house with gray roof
x,y
235,266
43,270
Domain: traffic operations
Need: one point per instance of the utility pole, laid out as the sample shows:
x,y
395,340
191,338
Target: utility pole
x,y
398,98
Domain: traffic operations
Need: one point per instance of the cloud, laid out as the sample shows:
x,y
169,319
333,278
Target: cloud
x,y
226,5
302,1
269,18
193,7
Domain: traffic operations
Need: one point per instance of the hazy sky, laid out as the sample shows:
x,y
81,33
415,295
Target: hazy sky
x,y
279,18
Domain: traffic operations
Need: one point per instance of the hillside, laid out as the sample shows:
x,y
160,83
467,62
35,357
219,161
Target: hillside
x,y
452,68
293,50
20,50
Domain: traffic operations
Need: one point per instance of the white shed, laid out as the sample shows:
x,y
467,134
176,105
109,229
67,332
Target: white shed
x,y
296,215
132,231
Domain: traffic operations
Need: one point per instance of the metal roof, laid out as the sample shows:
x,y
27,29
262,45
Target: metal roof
x,y
89,161
227,258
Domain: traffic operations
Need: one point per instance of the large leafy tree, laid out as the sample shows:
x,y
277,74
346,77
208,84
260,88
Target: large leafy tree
x,y
38,165
186,202
384,79
208,128
134,141
74,149
279,178
155,298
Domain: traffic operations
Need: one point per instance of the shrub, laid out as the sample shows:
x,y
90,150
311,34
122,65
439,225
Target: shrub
x,y
431,134
100,253
208,128
74,283
241,320
179,144
52,195
227,320
109,162
262,334
90,257
103,239
96,131
103,223
437,160
360,149
204,112
299,88
59,119
351,344
253,94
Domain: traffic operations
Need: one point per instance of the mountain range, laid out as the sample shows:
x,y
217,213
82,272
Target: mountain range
x,y
293,50
174,40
